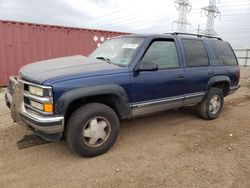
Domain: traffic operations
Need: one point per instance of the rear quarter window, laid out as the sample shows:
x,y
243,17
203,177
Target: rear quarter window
x,y
223,53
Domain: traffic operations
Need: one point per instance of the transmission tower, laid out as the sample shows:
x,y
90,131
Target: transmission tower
x,y
211,12
183,7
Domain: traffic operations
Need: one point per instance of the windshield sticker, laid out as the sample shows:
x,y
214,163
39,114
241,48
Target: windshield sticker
x,y
131,46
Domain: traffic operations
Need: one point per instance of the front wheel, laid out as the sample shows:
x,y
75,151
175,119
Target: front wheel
x,y
212,105
92,129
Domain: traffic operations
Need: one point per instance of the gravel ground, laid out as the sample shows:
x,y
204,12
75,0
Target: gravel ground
x,y
172,149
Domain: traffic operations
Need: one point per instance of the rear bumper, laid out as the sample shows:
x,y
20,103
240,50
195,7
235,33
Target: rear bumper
x,y
46,126
232,89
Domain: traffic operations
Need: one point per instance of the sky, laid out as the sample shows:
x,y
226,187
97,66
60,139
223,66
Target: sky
x,y
151,16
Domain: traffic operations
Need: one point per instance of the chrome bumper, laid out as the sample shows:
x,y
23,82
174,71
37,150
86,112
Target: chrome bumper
x,y
48,125
14,100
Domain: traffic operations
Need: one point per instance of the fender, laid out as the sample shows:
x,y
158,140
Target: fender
x,y
217,79
68,97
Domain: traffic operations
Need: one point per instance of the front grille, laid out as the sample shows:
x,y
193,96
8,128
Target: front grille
x,y
26,87
26,100
28,97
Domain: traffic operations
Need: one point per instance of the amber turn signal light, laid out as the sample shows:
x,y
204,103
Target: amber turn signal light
x,y
47,107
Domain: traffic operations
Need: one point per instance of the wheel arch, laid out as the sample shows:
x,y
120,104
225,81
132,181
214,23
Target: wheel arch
x,y
222,82
113,96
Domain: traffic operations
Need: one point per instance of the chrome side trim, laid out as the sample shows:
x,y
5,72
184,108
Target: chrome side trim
x,y
193,98
194,94
152,102
150,107
133,105
158,105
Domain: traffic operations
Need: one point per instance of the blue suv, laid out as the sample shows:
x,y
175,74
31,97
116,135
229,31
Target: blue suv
x,y
83,99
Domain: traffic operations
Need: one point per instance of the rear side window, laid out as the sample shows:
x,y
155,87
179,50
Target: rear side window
x,y
163,53
223,53
196,54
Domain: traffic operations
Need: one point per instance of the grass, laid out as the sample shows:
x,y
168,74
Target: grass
x,y
1,90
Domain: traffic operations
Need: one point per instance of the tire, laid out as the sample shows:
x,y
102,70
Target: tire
x,y
211,111
88,123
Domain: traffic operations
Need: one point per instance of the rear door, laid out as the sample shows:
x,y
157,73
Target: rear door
x,y
198,70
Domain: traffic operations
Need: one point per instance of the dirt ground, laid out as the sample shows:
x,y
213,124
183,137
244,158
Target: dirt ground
x,y
173,149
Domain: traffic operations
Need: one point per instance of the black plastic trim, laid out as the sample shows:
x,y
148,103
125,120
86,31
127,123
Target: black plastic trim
x,y
67,98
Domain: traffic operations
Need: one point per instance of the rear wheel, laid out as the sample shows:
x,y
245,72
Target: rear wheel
x,y
212,105
92,129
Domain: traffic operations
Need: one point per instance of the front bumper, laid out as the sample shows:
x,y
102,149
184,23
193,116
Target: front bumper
x,y
48,125
42,124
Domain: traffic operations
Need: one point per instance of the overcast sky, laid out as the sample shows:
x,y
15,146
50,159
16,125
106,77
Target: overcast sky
x,y
151,16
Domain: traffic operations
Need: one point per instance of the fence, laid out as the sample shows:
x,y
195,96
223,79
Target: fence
x,y
243,56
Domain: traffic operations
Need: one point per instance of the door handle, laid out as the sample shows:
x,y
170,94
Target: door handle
x,y
210,73
180,76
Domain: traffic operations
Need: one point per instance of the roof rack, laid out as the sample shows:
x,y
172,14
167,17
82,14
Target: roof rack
x,y
197,35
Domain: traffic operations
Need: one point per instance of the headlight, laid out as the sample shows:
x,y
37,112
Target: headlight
x,y
36,91
36,105
39,98
47,107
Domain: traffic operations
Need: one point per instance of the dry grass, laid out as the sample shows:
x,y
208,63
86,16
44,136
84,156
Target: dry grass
x,y
1,89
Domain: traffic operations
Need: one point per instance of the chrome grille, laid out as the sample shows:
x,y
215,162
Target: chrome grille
x,y
28,97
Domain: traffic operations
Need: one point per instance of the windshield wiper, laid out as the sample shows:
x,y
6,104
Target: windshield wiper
x,y
108,60
105,59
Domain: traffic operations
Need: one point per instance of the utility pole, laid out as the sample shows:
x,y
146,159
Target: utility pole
x,y
199,29
211,12
183,7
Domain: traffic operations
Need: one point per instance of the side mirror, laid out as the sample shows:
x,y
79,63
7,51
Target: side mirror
x,y
147,66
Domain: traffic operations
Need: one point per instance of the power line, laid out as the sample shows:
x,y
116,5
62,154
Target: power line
x,y
106,15
162,18
132,18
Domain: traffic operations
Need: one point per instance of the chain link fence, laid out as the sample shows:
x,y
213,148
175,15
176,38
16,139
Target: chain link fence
x,y
243,56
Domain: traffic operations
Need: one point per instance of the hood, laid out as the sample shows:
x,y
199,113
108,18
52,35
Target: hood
x,y
41,71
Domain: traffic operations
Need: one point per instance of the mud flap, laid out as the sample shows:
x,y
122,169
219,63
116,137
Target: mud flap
x,y
30,140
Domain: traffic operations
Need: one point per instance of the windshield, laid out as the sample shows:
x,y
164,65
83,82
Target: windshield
x,y
118,51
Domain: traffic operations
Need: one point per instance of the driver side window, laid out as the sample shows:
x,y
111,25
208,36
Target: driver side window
x,y
163,53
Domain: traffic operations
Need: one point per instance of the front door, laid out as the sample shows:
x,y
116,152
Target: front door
x,y
153,91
